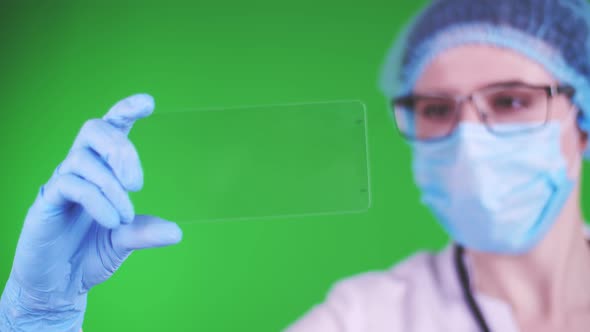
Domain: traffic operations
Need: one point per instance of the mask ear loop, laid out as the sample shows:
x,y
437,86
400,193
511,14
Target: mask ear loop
x,y
571,124
574,172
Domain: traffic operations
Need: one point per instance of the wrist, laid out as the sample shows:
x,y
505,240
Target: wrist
x,y
23,310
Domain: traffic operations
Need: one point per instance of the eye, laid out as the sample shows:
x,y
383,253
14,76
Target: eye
x,y
435,111
509,102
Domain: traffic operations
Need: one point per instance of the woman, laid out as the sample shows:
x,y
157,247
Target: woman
x,y
492,96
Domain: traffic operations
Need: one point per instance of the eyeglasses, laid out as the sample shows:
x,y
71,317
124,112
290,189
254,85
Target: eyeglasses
x,y
433,117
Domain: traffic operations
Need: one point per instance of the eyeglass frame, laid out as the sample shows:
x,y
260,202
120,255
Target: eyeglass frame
x,y
551,90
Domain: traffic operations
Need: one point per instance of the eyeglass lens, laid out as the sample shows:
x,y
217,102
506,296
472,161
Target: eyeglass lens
x,y
430,117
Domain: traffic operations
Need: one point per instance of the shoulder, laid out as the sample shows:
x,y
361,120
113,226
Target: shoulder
x,y
396,299
422,277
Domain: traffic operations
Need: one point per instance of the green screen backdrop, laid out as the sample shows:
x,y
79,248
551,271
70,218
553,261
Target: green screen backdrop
x,y
63,62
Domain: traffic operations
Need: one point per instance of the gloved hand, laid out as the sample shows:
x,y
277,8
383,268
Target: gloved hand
x,y
82,226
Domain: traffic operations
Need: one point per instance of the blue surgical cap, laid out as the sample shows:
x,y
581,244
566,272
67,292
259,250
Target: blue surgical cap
x,y
553,33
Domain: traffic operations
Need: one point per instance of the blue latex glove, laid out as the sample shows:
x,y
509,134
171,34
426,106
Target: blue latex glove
x,y
82,226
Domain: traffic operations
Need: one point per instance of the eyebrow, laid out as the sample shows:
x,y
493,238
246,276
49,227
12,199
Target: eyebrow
x,y
512,82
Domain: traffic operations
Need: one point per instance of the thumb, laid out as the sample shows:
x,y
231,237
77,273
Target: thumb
x,y
145,232
124,113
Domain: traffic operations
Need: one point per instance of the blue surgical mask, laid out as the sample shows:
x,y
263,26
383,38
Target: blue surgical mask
x,y
498,194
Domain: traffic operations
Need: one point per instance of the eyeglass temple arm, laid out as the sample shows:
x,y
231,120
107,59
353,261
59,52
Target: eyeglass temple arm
x,y
567,90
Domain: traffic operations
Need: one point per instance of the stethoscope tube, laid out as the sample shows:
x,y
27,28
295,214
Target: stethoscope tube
x,y
467,292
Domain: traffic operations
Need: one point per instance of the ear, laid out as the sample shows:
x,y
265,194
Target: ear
x,y
583,134
584,139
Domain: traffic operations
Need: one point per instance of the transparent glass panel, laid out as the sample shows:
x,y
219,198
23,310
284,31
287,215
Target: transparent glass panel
x,y
254,162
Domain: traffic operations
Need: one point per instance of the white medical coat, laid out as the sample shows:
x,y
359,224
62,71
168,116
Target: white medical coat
x,y
421,294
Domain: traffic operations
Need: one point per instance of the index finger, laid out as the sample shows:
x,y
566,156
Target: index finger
x,y
124,113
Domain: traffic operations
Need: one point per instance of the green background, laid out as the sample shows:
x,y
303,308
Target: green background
x,y
63,62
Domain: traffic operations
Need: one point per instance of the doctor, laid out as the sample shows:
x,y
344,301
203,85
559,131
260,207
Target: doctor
x,y
492,96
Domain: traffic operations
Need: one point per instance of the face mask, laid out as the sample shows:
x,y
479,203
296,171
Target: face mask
x,y
492,193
